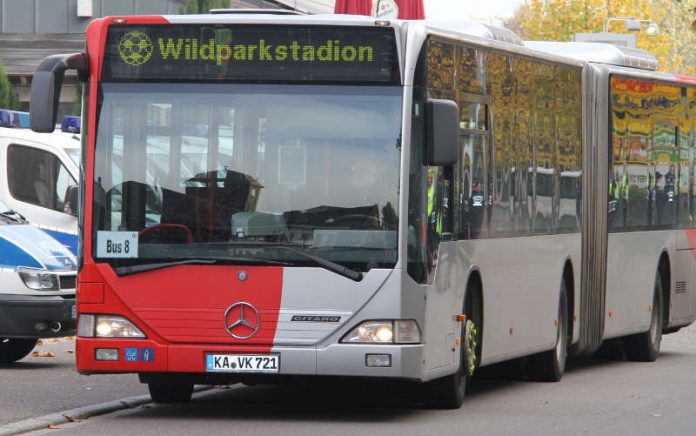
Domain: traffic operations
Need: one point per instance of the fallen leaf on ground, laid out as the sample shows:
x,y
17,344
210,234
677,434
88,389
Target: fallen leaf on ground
x,y
70,351
43,354
39,342
52,427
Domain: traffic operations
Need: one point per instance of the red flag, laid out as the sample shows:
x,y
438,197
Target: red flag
x,y
408,9
354,7
411,9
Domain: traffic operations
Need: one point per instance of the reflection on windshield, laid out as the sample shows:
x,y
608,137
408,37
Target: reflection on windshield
x,y
213,165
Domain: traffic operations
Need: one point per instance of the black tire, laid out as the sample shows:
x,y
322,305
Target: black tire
x,y
550,365
14,349
645,347
448,392
170,392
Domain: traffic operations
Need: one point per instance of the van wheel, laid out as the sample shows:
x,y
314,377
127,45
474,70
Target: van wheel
x,y
170,392
550,365
645,347
14,349
448,392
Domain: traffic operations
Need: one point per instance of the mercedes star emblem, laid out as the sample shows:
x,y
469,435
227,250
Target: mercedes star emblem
x,y
242,320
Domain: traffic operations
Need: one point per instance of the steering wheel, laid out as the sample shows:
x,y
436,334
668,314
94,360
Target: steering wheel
x,y
181,227
354,219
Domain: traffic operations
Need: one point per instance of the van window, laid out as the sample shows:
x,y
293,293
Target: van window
x,y
37,177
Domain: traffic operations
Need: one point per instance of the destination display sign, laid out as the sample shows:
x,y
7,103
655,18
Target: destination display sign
x,y
251,53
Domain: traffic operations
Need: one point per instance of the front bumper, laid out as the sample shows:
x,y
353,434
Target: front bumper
x,y
36,316
336,360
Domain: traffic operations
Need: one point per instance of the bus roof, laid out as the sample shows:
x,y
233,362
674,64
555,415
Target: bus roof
x,y
595,52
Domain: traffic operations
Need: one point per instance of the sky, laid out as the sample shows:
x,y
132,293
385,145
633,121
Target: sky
x,y
459,9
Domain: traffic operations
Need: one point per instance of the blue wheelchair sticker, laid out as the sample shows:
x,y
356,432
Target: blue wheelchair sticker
x,y
131,354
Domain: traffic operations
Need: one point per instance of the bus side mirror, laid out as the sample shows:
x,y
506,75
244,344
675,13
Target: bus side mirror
x,y
45,88
442,121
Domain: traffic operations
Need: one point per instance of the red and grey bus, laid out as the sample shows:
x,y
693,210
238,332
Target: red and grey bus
x,y
274,196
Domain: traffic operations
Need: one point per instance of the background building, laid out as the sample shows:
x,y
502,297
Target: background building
x,y
30,30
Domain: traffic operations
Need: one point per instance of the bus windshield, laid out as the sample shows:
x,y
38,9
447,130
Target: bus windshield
x,y
232,171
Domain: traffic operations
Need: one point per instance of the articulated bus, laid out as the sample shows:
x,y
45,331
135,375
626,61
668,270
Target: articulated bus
x,y
268,198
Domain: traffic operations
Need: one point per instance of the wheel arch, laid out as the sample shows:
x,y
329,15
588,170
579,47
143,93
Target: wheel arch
x,y
665,271
569,279
474,284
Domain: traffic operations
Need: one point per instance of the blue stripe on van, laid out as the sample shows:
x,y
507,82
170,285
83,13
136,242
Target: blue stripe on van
x,y
67,239
11,256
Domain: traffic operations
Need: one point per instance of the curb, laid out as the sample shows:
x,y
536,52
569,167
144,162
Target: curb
x,y
79,413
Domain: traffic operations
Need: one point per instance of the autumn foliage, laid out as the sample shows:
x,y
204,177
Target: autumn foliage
x,y
558,20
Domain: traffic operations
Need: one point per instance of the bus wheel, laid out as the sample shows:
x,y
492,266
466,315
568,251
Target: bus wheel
x,y
14,349
449,392
170,392
549,365
644,347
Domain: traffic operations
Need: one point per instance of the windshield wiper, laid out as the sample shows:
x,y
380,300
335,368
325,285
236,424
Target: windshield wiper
x,y
323,262
13,215
134,269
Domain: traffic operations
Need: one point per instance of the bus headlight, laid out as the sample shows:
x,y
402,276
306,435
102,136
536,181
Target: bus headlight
x,y
384,332
39,280
107,326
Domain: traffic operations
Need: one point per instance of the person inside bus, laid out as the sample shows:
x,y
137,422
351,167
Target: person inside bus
x,y
473,210
669,183
660,198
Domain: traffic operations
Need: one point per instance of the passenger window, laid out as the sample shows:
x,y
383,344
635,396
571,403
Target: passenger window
x,y
37,177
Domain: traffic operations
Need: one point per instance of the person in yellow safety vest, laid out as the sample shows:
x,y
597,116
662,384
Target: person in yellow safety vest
x,y
434,217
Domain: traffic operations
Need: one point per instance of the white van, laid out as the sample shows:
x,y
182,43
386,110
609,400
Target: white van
x,y
37,286
40,173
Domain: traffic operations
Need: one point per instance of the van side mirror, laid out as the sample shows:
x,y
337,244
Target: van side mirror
x,y
71,200
46,85
442,128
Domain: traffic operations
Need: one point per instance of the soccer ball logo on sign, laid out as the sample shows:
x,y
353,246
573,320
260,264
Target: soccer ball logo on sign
x,y
135,48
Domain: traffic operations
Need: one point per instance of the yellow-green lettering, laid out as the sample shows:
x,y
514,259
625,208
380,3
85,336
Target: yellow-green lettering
x,y
240,52
308,53
348,53
295,47
281,52
169,49
365,53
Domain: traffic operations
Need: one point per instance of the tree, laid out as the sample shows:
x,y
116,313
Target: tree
x,y
8,97
203,6
558,20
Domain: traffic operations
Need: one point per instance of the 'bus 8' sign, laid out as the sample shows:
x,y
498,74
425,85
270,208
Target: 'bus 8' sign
x,y
117,244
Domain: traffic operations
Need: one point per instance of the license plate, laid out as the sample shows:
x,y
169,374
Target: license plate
x,y
73,311
265,363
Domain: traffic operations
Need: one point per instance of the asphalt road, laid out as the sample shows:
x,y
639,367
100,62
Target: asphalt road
x,y
37,386
596,397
